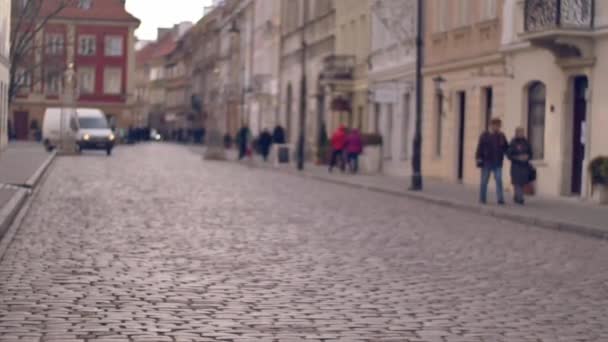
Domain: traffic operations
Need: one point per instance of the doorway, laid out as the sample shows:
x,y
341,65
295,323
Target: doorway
x,y
462,104
21,121
578,133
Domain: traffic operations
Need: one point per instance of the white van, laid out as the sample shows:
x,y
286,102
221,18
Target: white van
x,y
88,127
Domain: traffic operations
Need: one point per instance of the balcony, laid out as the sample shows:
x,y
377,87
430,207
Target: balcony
x,y
562,26
338,68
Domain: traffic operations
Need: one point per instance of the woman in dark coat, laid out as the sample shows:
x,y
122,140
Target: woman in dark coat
x,y
520,154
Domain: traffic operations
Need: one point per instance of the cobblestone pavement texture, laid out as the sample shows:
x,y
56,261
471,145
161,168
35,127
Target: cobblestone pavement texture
x,y
154,244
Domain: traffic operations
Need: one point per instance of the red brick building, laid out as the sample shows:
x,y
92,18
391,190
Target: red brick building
x,y
97,37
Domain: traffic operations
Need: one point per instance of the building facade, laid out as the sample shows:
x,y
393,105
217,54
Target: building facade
x,y
264,105
307,41
392,71
347,84
464,84
5,19
97,39
559,63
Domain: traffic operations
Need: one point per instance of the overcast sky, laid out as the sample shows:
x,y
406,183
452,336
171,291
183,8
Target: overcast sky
x,y
164,13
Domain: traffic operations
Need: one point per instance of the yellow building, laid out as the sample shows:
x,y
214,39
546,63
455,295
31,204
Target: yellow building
x,y
559,63
464,84
353,43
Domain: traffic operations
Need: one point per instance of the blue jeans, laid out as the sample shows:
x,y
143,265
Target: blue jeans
x,y
485,179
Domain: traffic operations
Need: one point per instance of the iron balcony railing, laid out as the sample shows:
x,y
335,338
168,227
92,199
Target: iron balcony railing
x,y
543,15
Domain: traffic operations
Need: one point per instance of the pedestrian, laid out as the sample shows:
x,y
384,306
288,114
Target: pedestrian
x,y
520,154
490,155
338,143
278,135
264,143
354,147
243,141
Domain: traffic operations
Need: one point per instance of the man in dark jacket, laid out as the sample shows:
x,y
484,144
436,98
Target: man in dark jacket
x,y
490,155
264,143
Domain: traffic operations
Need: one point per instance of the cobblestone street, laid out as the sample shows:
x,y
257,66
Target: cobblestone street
x,y
155,244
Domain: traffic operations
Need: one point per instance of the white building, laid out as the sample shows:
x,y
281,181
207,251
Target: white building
x,y
392,81
5,16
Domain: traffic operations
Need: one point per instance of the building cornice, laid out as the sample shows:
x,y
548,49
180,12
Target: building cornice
x,y
394,72
494,58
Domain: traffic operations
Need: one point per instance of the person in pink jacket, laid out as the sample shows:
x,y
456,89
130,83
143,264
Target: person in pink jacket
x,y
354,147
338,143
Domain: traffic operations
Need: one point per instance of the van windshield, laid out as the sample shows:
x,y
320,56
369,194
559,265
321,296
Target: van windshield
x,y
93,123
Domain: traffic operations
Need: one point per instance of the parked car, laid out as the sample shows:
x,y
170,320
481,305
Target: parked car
x,y
88,127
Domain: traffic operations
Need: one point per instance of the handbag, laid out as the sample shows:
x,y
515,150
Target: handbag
x,y
532,173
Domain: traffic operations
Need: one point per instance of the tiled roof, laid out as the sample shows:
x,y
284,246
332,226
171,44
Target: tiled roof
x,y
99,10
161,48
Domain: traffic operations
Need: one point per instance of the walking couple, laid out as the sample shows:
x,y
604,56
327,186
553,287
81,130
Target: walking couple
x,y
346,148
492,149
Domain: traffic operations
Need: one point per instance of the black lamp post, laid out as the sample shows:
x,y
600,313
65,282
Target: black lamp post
x,y
303,92
417,153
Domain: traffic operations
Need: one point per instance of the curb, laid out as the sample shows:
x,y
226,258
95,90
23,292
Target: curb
x,y
35,178
566,227
9,211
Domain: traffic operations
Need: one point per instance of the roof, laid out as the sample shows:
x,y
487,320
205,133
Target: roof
x,y
158,49
100,10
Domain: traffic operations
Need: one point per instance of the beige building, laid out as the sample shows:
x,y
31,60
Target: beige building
x,y
307,46
349,83
5,18
464,84
558,62
264,102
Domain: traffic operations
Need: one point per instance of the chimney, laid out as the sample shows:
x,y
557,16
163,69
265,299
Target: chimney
x,y
162,32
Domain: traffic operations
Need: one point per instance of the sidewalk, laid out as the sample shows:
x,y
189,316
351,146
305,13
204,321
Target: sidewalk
x,y
22,165
565,214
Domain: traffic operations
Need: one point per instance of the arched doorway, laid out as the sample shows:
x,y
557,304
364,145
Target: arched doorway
x,y
579,117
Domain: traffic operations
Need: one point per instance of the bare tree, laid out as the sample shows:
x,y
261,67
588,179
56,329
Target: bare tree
x,y
29,17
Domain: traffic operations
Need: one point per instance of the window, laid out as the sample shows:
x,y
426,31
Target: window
x,y
24,78
464,10
54,44
442,16
113,46
86,45
439,125
405,127
377,117
360,118
488,9
388,133
112,81
85,4
52,82
489,99
536,118
86,80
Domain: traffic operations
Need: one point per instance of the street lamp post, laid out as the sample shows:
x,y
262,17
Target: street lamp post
x,y
416,181
303,92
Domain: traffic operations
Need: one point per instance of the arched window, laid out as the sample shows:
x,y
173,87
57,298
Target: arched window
x,y
537,95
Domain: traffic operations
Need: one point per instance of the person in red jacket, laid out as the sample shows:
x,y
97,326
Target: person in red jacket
x,y
354,147
338,143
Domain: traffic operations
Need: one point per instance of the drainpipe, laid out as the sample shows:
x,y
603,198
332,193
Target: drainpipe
x,y
416,181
